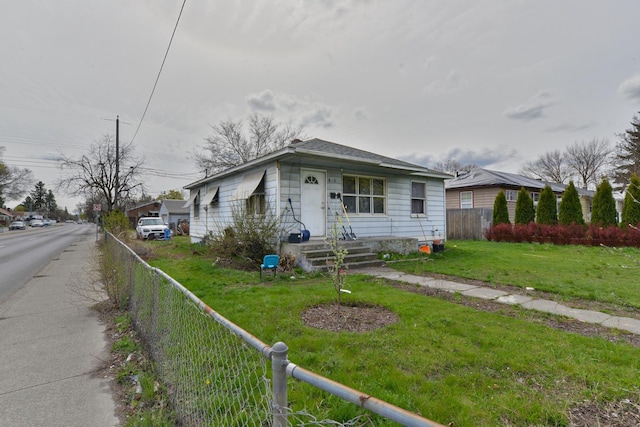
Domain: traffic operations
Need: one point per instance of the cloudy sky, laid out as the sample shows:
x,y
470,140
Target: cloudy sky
x,y
491,82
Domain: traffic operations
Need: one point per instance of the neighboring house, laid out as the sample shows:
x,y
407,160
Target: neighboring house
x,y
5,217
173,211
151,208
479,188
306,180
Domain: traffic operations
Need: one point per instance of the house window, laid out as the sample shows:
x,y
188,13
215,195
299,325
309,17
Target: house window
x,y
511,195
535,197
418,197
196,206
255,203
310,179
466,199
363,195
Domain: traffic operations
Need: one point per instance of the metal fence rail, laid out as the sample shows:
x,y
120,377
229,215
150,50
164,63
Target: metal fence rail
x,y
217,373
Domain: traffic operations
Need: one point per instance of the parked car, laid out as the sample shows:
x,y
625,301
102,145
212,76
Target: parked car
x,y
151,228
46,222
17,225
37,223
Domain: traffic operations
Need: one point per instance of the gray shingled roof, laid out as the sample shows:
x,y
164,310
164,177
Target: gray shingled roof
x,y
489,178
175,206
323,147
328,150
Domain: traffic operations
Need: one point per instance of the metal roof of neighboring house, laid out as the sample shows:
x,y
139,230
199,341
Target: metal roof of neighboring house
x,y
175,206
331,151
144,204
489,178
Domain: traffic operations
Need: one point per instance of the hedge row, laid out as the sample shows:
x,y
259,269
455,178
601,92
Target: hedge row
x,y
575,234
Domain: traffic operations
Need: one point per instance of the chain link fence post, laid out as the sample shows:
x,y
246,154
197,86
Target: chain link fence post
x,y
279,368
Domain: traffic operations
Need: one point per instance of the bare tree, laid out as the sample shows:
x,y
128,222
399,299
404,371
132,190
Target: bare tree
x,y
550,166
452,166
93,175
13,181
228,146
589,160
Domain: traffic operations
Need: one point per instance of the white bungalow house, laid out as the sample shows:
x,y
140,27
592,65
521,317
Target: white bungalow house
x,y
305,182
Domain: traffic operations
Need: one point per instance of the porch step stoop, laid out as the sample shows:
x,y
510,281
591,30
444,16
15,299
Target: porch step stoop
x,y
319,257
316,254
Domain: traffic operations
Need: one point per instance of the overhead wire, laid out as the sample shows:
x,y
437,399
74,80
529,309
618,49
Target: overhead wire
x,y
159,72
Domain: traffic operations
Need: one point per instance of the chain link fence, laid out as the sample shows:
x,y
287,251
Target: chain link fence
x,y
216,373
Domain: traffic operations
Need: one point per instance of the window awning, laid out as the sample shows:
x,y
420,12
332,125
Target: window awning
x,y
192,198
248,185
211,194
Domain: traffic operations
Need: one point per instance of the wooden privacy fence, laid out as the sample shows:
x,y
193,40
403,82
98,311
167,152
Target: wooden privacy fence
x,y
468,224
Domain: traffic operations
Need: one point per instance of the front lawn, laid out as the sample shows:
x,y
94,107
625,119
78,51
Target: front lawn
x,y
594,273
445,361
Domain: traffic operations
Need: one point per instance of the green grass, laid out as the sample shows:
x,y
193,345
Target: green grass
x,y
448,362
593,273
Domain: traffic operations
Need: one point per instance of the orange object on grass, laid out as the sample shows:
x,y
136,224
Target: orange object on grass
x,y
426,249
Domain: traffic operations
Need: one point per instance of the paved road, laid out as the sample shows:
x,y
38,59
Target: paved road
x,y
24,252
51,341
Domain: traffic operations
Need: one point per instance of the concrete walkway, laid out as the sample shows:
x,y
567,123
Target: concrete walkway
x,y
487,293
51,345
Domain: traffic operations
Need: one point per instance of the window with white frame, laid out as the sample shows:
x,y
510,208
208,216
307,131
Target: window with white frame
x,y
255,203
535,197
511,195
466,199
418,197
364,195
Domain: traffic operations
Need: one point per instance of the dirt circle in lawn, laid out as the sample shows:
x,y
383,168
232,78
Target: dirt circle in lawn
x,y
349,317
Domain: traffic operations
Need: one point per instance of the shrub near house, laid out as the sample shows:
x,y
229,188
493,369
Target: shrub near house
x,y
571,228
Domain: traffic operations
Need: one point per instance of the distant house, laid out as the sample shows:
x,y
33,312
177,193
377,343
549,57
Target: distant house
x,y
306,181
5,217
479,188
173,211
151,208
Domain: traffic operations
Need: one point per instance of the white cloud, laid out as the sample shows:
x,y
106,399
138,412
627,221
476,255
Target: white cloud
x,y
630,88
485,157
534,108
303,111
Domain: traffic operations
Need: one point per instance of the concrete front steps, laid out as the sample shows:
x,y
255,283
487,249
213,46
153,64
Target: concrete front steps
x,y
316,255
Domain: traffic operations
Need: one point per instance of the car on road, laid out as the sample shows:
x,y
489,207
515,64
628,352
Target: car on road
x,y
46,222
37,223
17,225
151,228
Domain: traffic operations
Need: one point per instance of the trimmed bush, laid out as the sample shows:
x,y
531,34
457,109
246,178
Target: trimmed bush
x,y
524,208
604,212
631,208
570,208
547,212
500,209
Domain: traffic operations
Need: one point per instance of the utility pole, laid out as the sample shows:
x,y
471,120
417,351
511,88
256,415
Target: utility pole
x,y
115,196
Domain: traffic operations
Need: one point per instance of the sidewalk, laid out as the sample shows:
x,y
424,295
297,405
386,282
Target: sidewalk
x,y
51,345
487,293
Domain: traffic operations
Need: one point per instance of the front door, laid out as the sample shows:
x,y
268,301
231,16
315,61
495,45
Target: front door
x,y
313,200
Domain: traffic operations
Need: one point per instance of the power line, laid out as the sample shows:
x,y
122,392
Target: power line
x,y
37,141
159,72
